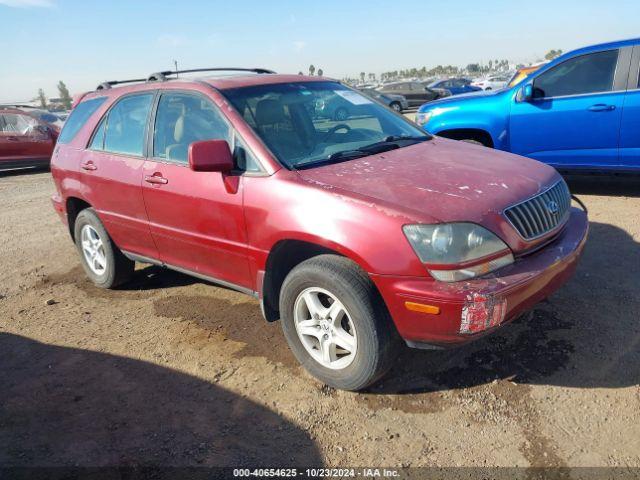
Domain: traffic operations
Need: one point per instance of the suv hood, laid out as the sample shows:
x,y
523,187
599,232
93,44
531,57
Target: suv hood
x,y
441,180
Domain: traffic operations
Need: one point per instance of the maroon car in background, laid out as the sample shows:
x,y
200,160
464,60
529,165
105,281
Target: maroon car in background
x,y
357,233
25,139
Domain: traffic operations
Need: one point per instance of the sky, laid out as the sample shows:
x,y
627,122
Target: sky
x,y
85,42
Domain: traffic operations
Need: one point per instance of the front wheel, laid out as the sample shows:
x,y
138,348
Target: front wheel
x,y
336,324
396,106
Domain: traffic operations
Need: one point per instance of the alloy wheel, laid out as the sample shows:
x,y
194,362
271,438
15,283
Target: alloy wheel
x,y
325,328
93,250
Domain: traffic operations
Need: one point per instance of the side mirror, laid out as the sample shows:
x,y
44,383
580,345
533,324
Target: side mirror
x,y
527,92
210,156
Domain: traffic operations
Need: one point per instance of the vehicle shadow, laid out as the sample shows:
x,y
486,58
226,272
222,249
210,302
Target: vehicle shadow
x,y
70,407
612,186
586,335
14,172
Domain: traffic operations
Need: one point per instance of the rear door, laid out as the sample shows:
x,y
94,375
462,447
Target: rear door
x,y
112,169
197,218
630,127
573,120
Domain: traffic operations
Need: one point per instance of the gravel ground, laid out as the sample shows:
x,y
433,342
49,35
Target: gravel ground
x,y
174,371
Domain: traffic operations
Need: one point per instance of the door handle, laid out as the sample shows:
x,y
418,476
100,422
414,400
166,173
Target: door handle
x,y
89,166
601,107
156,179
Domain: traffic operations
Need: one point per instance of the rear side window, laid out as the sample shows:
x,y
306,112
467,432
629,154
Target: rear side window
x,y
592,73
126,124
78,118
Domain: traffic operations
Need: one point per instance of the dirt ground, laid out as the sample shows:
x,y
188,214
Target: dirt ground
x,y
174,371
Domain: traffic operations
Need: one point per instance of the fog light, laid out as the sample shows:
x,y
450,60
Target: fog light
x,y
481,312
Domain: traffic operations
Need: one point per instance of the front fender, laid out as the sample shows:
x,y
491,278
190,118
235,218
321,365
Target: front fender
x,y
487,113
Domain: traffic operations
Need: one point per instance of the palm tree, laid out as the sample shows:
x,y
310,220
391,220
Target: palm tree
x,y
312,69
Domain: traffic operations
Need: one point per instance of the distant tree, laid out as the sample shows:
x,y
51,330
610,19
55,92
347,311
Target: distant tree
x,y
473,68
362,77
300,73
42,98
320,72
372,77
312,70
551,54
65,97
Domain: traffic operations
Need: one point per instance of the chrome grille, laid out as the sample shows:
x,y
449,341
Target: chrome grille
x,y
541,214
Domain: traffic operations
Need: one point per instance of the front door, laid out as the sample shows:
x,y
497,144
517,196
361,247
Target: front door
x,y
196,218
573,121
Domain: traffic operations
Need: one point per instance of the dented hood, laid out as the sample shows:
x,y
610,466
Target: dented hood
x,y
442,180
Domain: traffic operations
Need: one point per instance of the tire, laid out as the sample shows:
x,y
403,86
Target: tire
x,y
116,268
473,141
341,114
365,316
396,107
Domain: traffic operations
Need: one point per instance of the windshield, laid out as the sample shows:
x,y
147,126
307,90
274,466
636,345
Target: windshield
x,y
309,123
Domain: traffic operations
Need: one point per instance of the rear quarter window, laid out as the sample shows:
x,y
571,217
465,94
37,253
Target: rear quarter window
x,y
78,118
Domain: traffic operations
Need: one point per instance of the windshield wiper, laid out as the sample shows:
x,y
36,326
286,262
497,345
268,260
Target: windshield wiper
x,y
416,138
371,149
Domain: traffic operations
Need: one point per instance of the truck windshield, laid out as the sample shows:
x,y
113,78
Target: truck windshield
x,y
310,123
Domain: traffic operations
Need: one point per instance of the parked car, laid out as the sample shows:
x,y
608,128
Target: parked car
x,y
523,73
332,106
495,82
395,102
454,85
25,140
356,234
581,112
53,119
415,92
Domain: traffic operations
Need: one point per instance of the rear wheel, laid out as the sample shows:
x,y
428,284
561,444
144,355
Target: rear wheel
x,y
336,324
103,262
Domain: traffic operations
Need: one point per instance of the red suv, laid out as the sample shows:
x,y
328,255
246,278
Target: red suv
x,y
26,140
357,233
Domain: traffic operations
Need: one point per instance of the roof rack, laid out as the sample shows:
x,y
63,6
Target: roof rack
x,y
107,85
162,76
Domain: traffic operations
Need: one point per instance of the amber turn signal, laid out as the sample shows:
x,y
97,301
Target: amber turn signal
x,y
422,308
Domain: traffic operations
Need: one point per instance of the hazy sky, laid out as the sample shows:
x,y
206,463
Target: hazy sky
x,y
85,42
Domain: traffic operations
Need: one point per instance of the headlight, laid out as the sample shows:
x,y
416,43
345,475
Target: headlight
x,y
455,251
422,118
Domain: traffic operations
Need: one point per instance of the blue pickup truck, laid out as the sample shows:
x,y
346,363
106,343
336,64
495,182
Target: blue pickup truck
x,y
580,112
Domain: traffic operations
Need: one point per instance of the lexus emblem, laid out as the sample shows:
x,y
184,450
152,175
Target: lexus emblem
x,y
553,207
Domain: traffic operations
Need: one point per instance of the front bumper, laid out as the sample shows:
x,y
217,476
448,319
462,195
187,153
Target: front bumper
x,y
529,280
